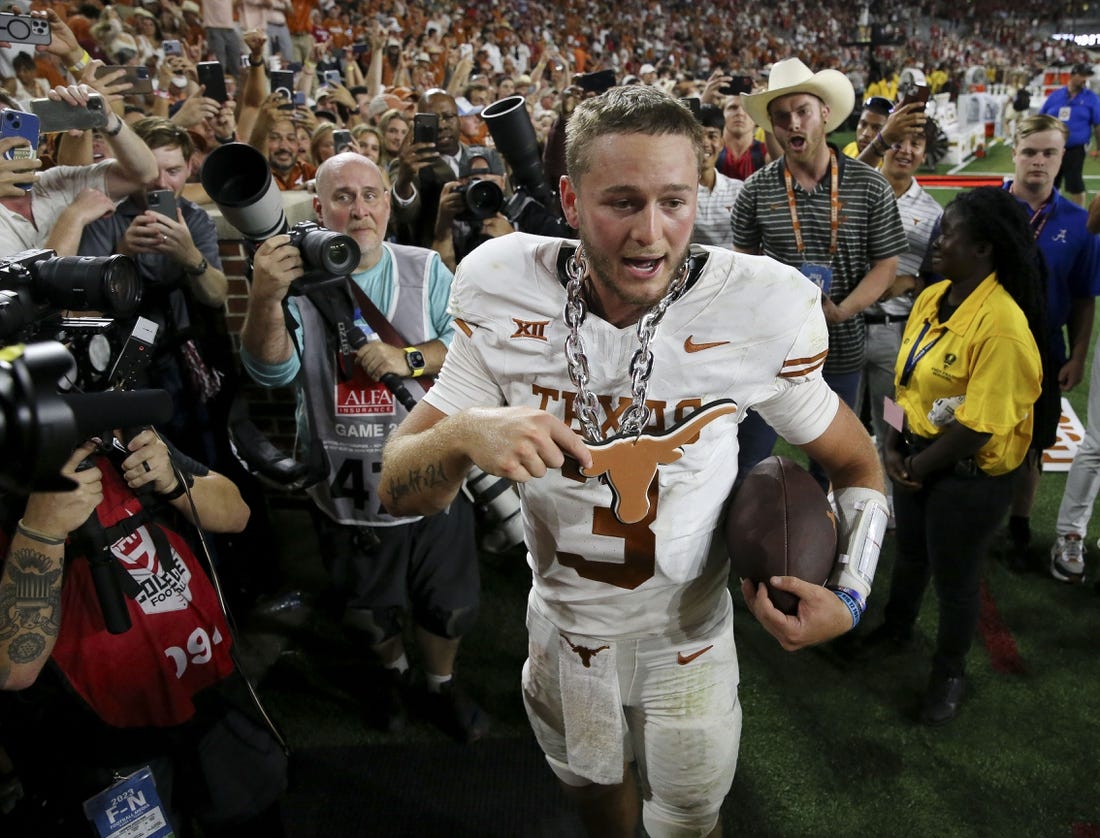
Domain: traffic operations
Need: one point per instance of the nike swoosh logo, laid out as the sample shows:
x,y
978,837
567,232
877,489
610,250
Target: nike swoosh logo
x,y
683,659
691,346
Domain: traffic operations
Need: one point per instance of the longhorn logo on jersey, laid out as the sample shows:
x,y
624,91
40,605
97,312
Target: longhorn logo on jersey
x,y
630,463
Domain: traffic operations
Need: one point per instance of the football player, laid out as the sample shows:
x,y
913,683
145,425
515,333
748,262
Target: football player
x,y
608,379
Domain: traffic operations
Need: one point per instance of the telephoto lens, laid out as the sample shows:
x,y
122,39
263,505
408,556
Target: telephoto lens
x,y
238,179
108,284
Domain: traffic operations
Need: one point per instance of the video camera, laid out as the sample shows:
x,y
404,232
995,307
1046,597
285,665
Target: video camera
x,y
53,366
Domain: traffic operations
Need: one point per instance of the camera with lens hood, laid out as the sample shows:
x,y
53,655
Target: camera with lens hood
x,y
238,179
483,199
325,253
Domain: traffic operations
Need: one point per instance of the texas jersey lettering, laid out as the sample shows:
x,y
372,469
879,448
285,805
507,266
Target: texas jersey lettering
x,y
643,521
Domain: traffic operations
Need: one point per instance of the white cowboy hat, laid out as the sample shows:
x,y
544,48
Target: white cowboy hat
x,y
792,76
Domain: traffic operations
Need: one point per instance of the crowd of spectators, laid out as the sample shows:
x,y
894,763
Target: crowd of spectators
x,y
304,82
534,48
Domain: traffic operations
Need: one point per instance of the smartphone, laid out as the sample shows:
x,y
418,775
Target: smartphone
x,y
138,76
172,48
24,29
359,49
282,81
19,124
917,93
299,100
333,78
341,139
212,77
162,201
426,128
54,117
737,86
693,104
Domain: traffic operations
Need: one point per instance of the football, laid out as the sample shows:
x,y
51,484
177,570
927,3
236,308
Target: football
x,y
779,523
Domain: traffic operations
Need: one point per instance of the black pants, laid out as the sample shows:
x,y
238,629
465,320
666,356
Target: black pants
x,y
943,534
1072,170
378,572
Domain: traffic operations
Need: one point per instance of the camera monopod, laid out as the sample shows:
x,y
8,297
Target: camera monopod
x,y
362,335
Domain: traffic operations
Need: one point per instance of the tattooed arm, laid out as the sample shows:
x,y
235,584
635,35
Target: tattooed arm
x,y
31,575
427,457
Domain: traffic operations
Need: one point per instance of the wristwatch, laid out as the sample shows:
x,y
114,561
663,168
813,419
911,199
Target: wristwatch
x,y
415,359
199,270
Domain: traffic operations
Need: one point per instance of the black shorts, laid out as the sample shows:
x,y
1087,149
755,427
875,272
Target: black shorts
x,y
432,563
1073,164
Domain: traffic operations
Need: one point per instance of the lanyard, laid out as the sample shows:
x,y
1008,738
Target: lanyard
x,y
915,356
834,206
1043,214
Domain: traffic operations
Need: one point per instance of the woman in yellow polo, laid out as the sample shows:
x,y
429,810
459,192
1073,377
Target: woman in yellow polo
x,y
967,378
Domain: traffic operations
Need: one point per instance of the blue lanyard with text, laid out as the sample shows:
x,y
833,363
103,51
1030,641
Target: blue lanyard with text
x,y
915,356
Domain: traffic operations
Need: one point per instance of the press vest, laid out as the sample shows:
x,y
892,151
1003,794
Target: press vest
x,y
350,414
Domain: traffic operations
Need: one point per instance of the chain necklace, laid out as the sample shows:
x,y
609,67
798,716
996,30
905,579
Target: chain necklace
x,y
585,406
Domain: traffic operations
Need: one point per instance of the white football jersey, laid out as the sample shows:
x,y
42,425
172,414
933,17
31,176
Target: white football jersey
x,y
624,554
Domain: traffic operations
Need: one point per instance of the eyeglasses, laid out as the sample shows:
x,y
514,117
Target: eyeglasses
x,y
878,104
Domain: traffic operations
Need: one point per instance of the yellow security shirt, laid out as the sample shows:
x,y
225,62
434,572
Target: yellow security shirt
x,y
983,363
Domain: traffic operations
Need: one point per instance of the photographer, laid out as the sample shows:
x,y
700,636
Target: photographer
x,y
184,287
378,562
454,218
86,705
423,168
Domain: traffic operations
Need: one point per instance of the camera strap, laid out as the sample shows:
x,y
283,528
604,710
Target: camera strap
x,y
376,319
336,308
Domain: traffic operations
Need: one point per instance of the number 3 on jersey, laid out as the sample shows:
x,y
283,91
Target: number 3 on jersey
x,y
639,547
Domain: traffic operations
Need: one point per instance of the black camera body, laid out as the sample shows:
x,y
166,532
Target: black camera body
x,y
326,254
483,198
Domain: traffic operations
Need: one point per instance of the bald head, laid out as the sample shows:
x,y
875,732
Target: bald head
x,y
333,170
352,198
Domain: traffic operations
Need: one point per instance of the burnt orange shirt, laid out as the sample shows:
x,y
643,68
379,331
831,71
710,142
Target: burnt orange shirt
x,y
294,178
297,20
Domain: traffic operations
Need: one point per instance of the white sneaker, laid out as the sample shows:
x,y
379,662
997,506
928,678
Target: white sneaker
x,y
1067,559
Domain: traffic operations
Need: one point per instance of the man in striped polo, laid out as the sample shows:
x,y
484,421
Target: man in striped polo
x,y
832,217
